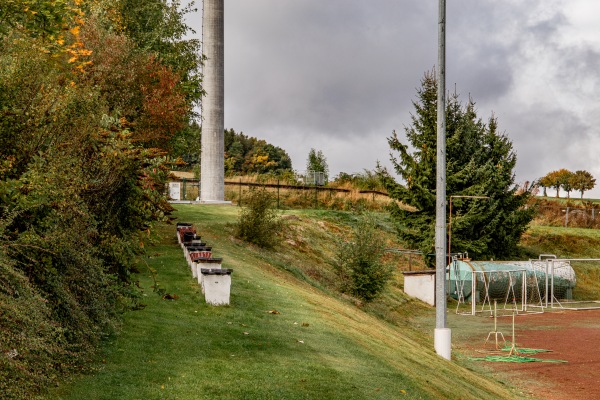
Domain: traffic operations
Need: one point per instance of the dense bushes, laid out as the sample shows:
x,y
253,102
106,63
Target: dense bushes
x,y
259,221
359,262
86,116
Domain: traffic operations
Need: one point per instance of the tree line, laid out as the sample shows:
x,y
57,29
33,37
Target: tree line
x,y
249,155
581,181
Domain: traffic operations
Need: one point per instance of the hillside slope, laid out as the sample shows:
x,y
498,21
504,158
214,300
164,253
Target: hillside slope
x,y
575,243
315,347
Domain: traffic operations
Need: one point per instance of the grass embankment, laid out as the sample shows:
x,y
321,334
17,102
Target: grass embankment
x,y
315,347
570,243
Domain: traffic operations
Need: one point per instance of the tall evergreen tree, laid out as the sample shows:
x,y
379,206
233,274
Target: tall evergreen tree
x,y
317,162
480,162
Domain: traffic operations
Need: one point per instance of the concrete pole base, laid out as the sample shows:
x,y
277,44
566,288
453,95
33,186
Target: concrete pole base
x,y
442,342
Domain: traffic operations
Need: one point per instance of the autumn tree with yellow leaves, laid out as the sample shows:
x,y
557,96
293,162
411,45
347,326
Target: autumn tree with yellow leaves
x,y
249,155
90,110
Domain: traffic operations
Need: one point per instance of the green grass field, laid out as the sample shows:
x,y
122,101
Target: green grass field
x,y
318,345
570,243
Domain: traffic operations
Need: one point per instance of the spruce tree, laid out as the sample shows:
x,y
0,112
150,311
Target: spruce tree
x,y
480,162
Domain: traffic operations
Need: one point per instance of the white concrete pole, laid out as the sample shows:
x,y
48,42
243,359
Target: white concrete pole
x,y
212,162
442,334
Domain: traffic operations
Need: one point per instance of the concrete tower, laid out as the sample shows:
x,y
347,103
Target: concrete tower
x,y
212,165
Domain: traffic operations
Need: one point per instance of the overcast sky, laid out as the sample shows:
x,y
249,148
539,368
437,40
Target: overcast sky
x,y
340,75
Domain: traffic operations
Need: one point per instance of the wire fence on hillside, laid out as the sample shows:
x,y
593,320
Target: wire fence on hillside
x,y
575,217
301,195
295,195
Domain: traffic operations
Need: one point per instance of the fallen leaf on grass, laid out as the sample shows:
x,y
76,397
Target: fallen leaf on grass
x,y
170,296
12,354
305,324
301,341
246,333
273,312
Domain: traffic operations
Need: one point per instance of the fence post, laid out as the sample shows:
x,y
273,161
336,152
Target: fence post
x,y
240,195
278,193
567,217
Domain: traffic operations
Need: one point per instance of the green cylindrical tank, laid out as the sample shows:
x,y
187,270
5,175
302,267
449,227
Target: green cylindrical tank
x,y
507,280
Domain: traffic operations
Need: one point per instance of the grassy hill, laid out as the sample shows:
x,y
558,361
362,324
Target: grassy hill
x,y
317,345
570,243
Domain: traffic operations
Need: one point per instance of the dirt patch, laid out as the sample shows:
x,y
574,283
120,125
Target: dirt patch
x,y
572,336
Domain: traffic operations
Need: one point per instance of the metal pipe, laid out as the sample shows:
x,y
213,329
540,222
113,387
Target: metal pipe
x,y
552,284
546,292
473,293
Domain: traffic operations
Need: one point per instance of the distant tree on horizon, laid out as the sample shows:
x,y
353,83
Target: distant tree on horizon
x,y
566,182
557,179
249,155
582,181
317,162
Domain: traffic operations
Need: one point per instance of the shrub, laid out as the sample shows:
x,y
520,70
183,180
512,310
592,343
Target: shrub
x,y
259,220
358,261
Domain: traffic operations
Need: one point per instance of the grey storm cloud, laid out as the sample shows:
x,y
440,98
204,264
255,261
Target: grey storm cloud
x,y
337,67
341,75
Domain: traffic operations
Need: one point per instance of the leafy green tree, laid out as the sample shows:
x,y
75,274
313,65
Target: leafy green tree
x,y
158,27
566,179
249,155
36,18
544,183
582,181
550,180
185,147
317,162
277,155
480,162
